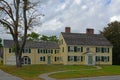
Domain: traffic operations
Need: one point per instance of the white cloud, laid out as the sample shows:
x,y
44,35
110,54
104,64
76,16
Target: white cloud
x,y
84,7
86,14
78,14
78,1
61,7
115,18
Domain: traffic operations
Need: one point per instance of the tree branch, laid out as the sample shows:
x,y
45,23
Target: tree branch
x,y
7,24
9,11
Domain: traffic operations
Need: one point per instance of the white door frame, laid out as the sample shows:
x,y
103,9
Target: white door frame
x,y
88,56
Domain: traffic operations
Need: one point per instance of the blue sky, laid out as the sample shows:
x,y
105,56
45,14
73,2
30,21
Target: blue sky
x,y
77,14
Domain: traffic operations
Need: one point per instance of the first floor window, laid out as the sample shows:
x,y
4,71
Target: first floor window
x,y
42,58
70,58
57,58
75,58
102,58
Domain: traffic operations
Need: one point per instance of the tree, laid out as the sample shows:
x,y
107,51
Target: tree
x,y
31,37
49,38
18,16
1,54
112,33
53,39
0,42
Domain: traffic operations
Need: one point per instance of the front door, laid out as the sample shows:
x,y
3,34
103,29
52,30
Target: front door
x,y
49,59
90,60
26,60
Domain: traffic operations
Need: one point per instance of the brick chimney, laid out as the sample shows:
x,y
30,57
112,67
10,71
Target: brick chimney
x,y
89,31
67,29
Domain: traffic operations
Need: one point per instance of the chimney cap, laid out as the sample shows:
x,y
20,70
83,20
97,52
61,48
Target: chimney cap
x,y
89,31
67,29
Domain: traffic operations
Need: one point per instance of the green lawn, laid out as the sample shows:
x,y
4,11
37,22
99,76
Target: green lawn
x,y
31,72
105,71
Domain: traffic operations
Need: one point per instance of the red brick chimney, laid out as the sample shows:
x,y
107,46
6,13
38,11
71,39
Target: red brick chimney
x,y
67,29
89,31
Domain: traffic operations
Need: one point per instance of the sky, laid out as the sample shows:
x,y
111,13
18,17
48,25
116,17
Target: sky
x,y
77,14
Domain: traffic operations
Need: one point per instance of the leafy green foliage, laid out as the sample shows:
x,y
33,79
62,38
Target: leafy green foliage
x,y
112,33
49,38
32,36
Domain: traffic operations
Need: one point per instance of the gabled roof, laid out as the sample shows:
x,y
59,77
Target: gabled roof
x,y
85,39
33,44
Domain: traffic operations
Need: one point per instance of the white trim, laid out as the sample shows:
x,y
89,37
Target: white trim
x,y
93,58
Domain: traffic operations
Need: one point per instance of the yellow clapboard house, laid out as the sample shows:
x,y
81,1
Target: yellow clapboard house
x,y
73,49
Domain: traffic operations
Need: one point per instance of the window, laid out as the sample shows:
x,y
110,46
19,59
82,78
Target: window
x,y
75,58
70,58
80,49
102,58
81,58
62,49
42,58
51,51
62,41
40,50
11,50
71,48
102,50
97,58
56,51
26,50
78,58
98,49
57,58
75,49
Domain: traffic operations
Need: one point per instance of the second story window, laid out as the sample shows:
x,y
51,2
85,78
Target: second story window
x,y
75,49
70,48
56,51
102,50
40,51
62,49
26,50
11,50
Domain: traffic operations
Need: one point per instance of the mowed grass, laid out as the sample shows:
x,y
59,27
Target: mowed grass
x,y
105,71
31,72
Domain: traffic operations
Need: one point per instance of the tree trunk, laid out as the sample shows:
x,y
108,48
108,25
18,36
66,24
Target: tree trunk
x,y
18,60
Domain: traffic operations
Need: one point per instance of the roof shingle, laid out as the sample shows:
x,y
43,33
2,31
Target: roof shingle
x,y
85,39
33,44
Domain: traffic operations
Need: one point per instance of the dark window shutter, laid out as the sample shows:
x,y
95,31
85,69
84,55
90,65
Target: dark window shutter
x,y
96,50
68,48
75,48
29,50
38,51
10,50
81,49
108,50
